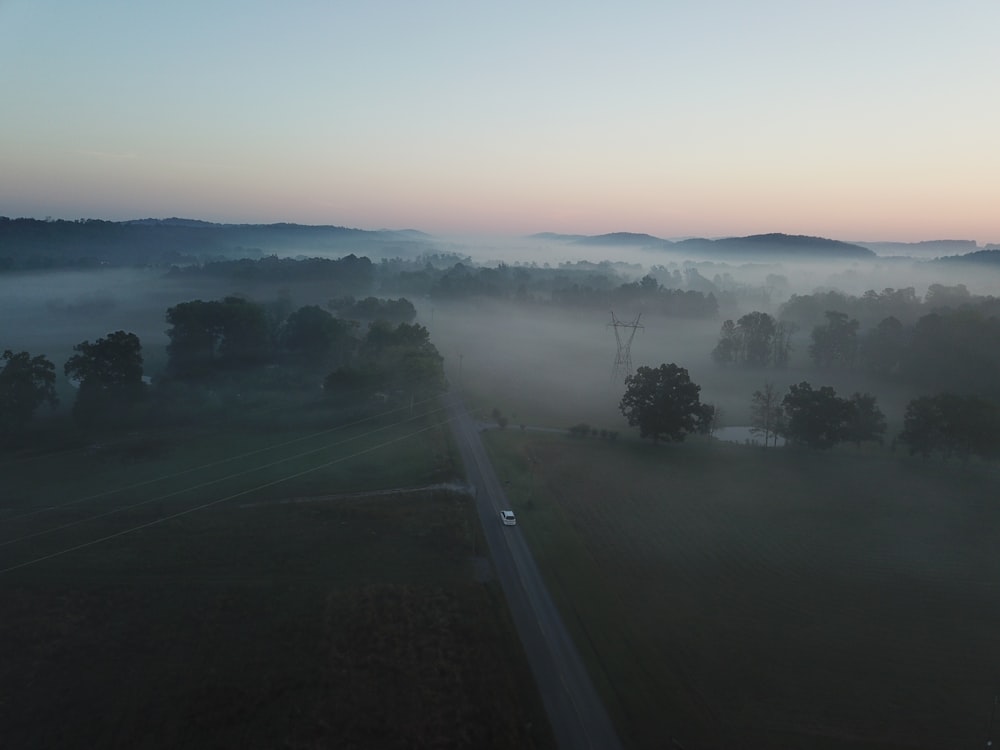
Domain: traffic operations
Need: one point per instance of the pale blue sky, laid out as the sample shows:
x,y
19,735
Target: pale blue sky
x,y
849,119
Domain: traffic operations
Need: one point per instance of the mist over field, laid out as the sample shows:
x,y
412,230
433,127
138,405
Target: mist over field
x,y
540,362
521,329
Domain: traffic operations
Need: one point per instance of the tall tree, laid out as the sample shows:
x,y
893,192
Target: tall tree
x,y
318,339
757,334
727,350
664,404
766,413
109,377
815,418
866,422
836,343
781,344
883,347
206,335
26,383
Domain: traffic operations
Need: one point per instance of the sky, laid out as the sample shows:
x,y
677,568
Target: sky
x,y
851,119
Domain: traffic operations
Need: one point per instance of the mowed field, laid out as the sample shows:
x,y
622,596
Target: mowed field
x,y
728,596
252,588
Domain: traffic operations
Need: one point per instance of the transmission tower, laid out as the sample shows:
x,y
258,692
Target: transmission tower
x,y
623,360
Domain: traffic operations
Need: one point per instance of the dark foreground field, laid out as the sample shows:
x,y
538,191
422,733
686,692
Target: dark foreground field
x,y
275,619
728,597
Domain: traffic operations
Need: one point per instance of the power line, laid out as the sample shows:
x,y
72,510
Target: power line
x,y
207,483
212,503
212,464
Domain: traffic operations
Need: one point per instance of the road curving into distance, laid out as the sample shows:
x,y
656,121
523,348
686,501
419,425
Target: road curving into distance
x,y
576,713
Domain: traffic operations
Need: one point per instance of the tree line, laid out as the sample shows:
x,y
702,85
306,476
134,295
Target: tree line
x,y
220,337
665,404
947,350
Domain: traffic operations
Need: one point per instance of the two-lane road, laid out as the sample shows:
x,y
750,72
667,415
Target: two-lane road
x,y
575,711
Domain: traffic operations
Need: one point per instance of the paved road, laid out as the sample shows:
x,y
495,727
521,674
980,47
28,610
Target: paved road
x,y
575,711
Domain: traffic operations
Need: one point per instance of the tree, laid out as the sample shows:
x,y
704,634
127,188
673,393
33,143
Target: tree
x,y
109,373
866,421
317,338
756,339
836,343
815,418
400,358
952,424
883,347
756,333
26,383
727,350
766,413
205,335
781,344
664,403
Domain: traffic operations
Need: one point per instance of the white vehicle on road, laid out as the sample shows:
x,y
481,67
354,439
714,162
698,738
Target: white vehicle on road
x,y
507,518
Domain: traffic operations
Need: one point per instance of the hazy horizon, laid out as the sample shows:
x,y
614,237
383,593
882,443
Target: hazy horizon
x,y
854,121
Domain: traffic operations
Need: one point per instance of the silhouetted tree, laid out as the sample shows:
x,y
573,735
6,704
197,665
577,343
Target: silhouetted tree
x,y
766,413
756,333
727,350
952,424
664,404
866,422
205,335
836,343
109,373
815,418
756,339
315,338
26,383
393,358
883,347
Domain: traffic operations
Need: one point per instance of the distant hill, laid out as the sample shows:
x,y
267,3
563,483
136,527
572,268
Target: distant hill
x,y
922,249
32,243
775,245
980,257
621,238
555,236
731,248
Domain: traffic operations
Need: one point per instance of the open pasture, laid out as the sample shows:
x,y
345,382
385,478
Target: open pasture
x,y
243,588
734,597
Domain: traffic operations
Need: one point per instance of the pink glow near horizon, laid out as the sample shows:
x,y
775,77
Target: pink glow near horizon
x,y
845,123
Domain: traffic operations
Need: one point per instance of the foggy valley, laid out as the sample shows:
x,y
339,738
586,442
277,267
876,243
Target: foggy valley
x,y
286,393
584,376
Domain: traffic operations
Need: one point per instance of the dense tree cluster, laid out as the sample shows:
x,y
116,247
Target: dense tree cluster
x,y
205,335
836,343
347,275
815,418
755,340
314,338
949,424
392,359
646,294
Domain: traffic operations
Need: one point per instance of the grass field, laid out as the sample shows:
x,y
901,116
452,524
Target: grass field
x,y
177,589
727,596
